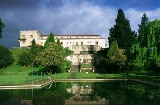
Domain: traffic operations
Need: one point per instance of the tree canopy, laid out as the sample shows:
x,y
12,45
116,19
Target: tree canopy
x,y
25,58
115,55
50,38
121,31
6,57
52,57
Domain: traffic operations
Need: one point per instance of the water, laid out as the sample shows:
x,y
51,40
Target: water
x,y
82,93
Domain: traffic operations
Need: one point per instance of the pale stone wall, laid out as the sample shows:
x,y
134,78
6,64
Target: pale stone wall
x,y
67,41
81,58
26,37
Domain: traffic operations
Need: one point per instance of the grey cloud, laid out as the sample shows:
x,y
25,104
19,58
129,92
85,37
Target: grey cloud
x,y
59,17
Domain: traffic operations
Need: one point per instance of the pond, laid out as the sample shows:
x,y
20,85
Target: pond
x,y
84,93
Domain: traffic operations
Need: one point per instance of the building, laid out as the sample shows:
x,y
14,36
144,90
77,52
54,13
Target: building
x,y
83,46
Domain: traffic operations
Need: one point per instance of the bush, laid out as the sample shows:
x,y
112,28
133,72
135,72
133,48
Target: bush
x,y
6,57
25,58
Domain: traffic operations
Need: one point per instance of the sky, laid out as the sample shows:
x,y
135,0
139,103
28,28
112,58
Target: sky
x,y
70,16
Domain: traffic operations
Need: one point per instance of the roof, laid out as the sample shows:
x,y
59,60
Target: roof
x,y
73,35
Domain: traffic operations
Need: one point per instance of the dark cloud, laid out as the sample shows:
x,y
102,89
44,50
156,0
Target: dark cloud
x,y
20,4
60,17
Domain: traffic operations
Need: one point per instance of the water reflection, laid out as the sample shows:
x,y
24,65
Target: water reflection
x,y
81,93
84,95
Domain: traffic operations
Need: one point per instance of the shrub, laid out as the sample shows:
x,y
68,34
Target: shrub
x,y
25,58
6,57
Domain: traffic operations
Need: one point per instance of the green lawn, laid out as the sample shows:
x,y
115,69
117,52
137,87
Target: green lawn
x,y
15,74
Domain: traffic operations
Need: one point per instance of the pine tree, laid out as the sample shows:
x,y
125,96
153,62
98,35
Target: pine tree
x,y
121,32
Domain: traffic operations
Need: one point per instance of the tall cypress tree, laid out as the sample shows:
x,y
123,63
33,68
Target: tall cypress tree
x,y
121,32
142,31
33,47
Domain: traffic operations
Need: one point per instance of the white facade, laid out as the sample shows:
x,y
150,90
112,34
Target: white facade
x,y
67,41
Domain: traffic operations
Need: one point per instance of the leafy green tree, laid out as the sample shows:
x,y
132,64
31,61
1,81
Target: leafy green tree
x,y
67,52
116,56
52,57
121,32
1,27
6,57
25,58
50,38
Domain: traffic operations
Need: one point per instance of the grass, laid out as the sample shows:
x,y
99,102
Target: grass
x,y
15,74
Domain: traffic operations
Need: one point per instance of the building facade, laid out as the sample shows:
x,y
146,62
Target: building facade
x,y
83,46
67,41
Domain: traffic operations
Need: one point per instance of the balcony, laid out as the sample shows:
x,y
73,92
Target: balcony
x,y
22,38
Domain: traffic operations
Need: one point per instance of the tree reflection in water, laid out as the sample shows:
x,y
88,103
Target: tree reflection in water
x,y
69,93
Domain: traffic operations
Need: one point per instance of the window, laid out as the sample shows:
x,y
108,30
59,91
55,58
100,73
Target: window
x,y
76,43
96,43
23,36
81,43
61,43
23,42
31,36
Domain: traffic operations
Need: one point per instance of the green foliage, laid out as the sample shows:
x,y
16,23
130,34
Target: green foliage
x,y
121,32
1,27
33,47
67,52
142,31
63,67
17,52
25,58
52,57
146,51
113,47
58,42
49,39
6,57
86,65
116,56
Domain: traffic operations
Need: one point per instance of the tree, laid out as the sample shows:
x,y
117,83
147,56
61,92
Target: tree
x,y
25,58
52,57
6,57
121,32
116,56
50,38
58,42
33,46
142,31
1,27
